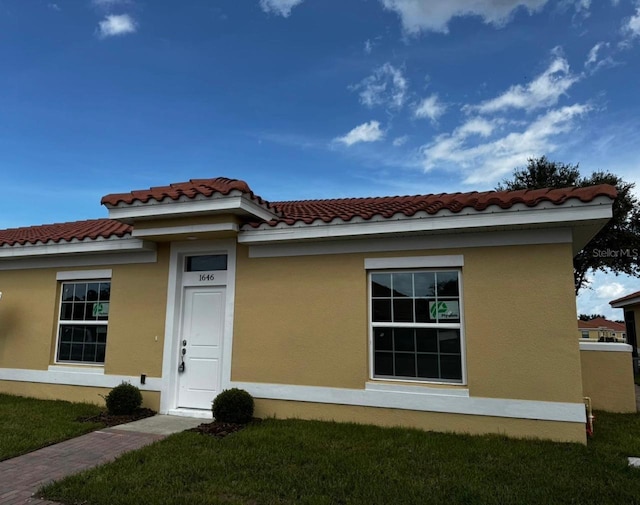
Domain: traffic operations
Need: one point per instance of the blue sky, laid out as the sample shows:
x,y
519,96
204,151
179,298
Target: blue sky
x,y
310,98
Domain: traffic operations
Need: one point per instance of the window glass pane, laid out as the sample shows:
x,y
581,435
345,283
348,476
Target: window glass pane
x,y
67,292
64,351
422,310
105,291
78,312
425,284
383,363
381,310
381,285
447,283
101,334
66,311
402,310
92,291
449,341
382,339
100,353
402,285
405,365
206,262
80,292
451,367
82,343
403,339
428,366
427,340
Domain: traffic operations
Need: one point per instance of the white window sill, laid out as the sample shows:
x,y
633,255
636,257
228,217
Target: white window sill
x,y
89,369
417,390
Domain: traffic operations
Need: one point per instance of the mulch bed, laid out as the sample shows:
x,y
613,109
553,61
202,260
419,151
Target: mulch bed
x,y
220,430
110,420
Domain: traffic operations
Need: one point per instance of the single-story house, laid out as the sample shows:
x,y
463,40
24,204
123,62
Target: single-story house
x,y
450,312
601,329
631,305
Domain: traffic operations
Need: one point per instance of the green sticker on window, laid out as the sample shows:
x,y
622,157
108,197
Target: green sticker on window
x,y
100,309
444,310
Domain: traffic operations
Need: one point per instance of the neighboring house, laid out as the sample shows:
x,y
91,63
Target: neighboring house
x,y
450,312
631,306
602,330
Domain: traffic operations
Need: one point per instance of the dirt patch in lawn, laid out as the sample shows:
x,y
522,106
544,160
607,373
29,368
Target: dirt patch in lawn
x,y
110,420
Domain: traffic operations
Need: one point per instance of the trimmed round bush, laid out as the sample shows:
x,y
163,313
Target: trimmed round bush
x,y
123,399
233,406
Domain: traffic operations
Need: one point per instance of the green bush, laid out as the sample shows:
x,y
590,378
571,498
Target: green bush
x,y
123,399
233,406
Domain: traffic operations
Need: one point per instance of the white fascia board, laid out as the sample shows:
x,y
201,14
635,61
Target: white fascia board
x,y
420,401
625,303
79,260
185,230
469,221
172,208
111,245
422,242
605,347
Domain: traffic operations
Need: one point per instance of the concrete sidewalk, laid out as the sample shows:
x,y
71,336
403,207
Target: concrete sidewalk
x,y
21,477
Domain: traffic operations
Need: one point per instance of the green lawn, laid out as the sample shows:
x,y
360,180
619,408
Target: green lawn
x,y
306,462
27,424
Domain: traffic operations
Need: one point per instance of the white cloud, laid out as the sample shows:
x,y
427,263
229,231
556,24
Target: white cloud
x,y
544,91
610,291
496,157
431,108
631,27
114,25
280,7
400,141
366,132
386,86
434,15
592,58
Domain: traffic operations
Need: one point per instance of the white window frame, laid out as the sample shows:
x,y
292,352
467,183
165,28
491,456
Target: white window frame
x,y
75,277
410,265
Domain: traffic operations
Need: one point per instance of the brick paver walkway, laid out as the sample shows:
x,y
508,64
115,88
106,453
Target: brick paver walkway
x,y
21,477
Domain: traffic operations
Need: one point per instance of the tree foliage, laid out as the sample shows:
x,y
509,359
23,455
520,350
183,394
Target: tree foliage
x,y
616,247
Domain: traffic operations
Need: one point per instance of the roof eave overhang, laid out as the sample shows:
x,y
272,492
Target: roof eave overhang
x,y
584,219
625,303
88,246
239,205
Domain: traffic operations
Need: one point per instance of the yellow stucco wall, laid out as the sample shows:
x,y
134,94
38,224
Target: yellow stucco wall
x,y
29,315
433,421
150,399
303,320
607,378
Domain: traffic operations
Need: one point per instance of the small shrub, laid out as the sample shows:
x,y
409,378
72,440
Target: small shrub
x,y
123,399
233,406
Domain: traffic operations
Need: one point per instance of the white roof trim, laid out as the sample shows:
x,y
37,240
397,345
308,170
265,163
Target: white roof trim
x,y
625,303
185,230
598,209
99,245
182,206
605,347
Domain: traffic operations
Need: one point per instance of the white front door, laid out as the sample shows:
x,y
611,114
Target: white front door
x,y
201,337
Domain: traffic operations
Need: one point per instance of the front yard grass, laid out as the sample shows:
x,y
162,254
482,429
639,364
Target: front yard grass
x,y
310,462
27,424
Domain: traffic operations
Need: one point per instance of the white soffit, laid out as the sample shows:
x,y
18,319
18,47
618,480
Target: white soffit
x,y
544,214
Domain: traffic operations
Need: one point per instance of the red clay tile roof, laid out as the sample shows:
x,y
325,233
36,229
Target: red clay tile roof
x,y
600,322
626,297
190,189
64,232
308,211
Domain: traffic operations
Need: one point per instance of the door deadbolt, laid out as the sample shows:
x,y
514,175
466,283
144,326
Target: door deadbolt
x,y
184,343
